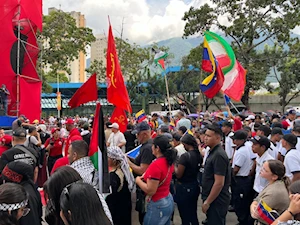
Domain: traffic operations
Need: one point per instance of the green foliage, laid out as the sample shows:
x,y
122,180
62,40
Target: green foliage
x,y
62,41
98,68
286,68
251,23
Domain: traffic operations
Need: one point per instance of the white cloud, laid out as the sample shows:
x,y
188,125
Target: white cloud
x,y
144,21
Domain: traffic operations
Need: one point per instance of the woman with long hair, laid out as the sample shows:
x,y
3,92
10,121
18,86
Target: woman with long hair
x,y
156,183
80,204
53,188
187,186
122,184
13,202
22,173
275,194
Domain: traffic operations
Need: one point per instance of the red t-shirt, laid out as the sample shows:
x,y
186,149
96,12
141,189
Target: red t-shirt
x,y
57,147
158,170
74,135
237,125
3,149
60,163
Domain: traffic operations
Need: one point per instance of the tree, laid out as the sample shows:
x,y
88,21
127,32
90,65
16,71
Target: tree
x,y
286,68
251,24
98,68
62,41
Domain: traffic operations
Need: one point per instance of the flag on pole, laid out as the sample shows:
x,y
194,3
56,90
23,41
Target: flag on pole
x,y
116,90
140,116
234,73
227,100
119,116
212,84
86,93
159,58
98,151
134,152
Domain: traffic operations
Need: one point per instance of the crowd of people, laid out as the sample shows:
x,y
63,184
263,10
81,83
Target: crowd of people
x,y
245,163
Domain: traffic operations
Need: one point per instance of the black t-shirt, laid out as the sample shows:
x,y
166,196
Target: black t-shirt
x,y
16,154
130,140
192,161
217,163
145,156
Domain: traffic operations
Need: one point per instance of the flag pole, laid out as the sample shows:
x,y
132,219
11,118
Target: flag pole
x,y
167,89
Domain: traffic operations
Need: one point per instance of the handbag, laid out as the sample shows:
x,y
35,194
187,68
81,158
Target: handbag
x,y
142,200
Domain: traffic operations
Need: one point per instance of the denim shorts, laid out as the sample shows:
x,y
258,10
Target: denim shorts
x,y
159,212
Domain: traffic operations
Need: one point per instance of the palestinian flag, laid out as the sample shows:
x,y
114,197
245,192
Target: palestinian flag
x,y
234,73
98,151
159,58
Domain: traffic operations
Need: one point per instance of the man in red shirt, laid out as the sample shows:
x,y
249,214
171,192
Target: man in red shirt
x,y
73,131
238,120
5,143
54,145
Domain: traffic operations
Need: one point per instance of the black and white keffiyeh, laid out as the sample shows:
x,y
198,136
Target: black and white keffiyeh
x,y
114,152
13,206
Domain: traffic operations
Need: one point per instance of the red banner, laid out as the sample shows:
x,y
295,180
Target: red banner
x,y
119,117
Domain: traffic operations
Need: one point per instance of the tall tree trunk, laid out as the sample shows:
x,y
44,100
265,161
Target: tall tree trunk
x,y
245,98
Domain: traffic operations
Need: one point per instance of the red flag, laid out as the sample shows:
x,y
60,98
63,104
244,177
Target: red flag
x,y
86,93
116,90
119,117
98,151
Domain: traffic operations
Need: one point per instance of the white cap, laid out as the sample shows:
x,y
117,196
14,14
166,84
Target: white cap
x,y
114,125
250,117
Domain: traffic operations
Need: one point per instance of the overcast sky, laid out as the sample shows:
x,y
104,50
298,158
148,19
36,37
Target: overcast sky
x,y
145,21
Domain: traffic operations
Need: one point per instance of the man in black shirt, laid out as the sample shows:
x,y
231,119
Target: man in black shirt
x,y
19,152
130,138
216,179
4,93
143,160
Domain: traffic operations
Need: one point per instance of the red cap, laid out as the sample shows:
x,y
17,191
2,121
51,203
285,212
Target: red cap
x,y
54,130
6,139
69,121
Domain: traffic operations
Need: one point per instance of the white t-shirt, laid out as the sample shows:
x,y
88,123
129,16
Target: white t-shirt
x,y
180,150
273,150
253,155
242,159
229,145
298,144
292,163
259,182
116,138
33,140
291,124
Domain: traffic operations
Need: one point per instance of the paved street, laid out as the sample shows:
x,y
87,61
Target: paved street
x,y
231,217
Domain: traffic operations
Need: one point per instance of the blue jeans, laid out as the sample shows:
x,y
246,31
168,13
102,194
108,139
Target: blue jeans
x,y
159,212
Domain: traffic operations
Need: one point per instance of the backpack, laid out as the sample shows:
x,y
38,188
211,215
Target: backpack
x,y
41,151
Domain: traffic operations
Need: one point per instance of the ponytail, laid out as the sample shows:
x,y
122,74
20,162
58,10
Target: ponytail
x,y
170,154
286,181
166,148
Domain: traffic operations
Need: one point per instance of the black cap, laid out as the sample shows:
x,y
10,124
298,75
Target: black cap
x,y
23,116
164,128
276,130
291,139
19,132
141,127
292,111
240,135
262,141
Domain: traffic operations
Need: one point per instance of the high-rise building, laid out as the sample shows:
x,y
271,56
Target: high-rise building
x,y
98,51
77,66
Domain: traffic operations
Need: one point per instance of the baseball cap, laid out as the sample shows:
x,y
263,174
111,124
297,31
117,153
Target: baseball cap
x,y
6,139
292,111
69,121
19,132
261,140
250,117
114,125
266,129
54,130
227,124
291,139
276,130
240,135
141,127
24,117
